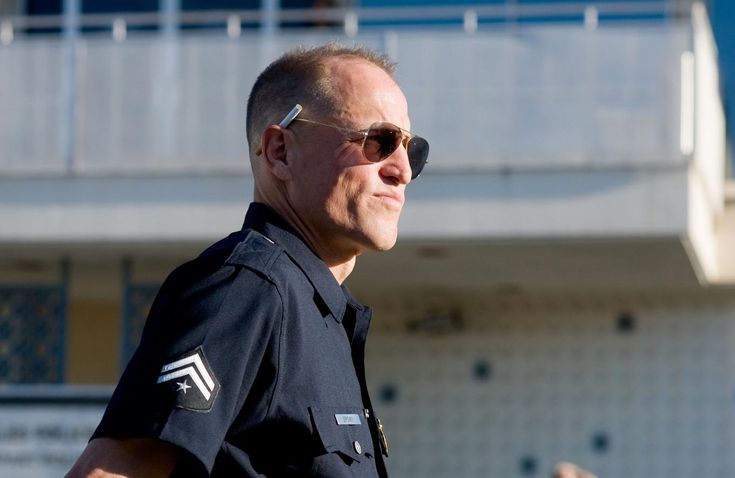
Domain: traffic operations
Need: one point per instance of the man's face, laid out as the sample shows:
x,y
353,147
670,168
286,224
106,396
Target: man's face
x,y
348,202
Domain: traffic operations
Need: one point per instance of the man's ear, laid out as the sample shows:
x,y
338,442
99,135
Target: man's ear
x,y
275,152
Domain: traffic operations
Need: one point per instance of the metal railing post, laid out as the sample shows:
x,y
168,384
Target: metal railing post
x,y
270,9
170,17
69,119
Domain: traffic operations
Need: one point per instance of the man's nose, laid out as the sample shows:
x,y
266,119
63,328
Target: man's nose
x,y
397,165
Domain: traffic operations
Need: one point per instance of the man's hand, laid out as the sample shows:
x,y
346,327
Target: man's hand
x,y
134,457
568,470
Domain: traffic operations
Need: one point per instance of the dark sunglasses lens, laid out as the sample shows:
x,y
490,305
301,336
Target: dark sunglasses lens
x,y
418,153
382,139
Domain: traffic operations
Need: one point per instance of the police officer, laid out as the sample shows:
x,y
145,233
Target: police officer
x,y
251,361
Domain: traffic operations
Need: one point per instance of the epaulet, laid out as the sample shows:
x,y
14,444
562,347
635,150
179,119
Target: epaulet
x,y
256,251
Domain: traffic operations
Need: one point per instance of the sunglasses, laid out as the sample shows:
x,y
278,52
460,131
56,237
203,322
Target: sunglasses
x,y
378,141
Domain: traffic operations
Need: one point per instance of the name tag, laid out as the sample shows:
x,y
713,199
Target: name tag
x,y
348,419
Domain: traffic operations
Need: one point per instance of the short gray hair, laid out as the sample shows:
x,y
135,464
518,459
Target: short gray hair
x,y
300,76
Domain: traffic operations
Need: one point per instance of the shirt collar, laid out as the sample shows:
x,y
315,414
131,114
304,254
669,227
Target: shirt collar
x,y
266,221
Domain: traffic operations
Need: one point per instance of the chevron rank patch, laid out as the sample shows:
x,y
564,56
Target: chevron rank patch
x,y
189,381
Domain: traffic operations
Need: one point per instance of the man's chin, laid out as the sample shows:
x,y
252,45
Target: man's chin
x,y
386,244
380,242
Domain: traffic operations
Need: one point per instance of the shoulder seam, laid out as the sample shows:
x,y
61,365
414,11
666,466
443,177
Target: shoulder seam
x,y
241,257
281,333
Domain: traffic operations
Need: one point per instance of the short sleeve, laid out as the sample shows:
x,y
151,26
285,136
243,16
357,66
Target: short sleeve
x,y
209,344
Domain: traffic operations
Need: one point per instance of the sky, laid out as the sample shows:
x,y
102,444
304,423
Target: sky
x,y
722,16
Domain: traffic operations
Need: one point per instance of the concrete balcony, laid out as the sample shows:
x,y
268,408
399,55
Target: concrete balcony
x,y
561,155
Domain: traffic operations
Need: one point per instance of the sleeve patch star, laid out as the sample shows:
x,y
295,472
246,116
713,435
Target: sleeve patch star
x,y
198,389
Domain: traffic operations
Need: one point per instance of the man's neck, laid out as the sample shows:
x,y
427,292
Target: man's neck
x,y
342,271
340,265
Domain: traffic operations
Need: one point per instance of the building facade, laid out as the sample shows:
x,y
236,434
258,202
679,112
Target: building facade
x,y
563,284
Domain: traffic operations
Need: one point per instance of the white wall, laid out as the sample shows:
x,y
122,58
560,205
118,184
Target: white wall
x,y
563,383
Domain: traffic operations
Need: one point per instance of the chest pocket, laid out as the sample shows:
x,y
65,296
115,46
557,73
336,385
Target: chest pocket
x,y
345,436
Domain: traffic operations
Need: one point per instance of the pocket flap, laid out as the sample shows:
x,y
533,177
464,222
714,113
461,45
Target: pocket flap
x,y
343,430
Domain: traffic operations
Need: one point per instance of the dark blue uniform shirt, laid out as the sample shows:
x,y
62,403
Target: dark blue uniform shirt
x,y
252,360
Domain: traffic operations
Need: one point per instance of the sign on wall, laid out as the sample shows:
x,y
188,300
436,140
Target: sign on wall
x,y
44,440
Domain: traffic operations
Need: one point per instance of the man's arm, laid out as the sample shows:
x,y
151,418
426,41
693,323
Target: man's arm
x,y
126,458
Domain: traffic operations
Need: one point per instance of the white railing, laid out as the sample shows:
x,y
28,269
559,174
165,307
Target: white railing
x,y
350,19
531,96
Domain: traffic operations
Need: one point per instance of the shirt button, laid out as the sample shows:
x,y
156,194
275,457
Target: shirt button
x,y
358,447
